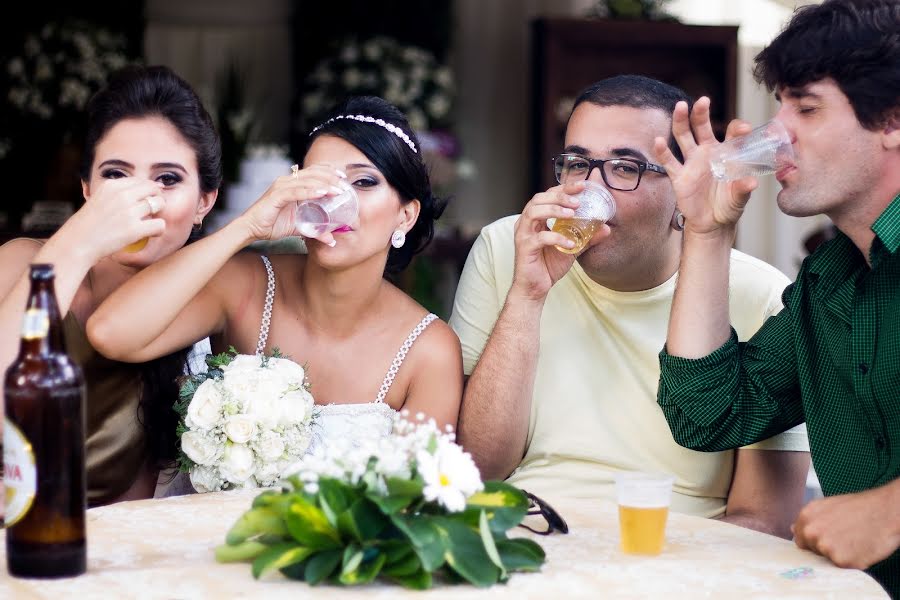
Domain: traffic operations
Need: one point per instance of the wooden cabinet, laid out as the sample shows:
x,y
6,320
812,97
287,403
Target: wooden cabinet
x,y
570,54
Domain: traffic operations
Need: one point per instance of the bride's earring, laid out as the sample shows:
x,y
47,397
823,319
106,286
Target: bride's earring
x,y
398,238
677,220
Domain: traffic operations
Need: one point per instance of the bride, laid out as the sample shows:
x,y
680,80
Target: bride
x,y
370,350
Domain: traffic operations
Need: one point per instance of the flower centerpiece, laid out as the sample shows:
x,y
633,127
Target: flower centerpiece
x,y
244,421
406,508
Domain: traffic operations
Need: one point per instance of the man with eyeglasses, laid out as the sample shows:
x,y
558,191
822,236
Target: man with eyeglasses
x,y
832,356
561,353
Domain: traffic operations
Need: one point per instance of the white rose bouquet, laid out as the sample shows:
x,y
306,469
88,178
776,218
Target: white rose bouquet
x,y
409,508
244,421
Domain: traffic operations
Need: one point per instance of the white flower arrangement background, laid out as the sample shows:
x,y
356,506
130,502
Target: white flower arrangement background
x,y
409,77
244,422
56,72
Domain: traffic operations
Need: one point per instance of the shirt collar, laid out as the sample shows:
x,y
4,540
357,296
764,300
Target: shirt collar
x,y
887,226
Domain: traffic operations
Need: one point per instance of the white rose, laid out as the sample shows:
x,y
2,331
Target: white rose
x,y
200,448
295,407
270,447
288,370
206,479
237,464
243,362
265,409
240,428
268,474
205,409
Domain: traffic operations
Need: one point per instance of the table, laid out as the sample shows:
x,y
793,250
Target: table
x,y
164,549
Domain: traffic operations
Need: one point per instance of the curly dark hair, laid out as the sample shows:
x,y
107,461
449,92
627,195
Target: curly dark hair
x,y
403,168
854,42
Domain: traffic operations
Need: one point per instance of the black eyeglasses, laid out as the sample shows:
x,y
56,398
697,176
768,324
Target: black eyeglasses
x,y
536,506
623,174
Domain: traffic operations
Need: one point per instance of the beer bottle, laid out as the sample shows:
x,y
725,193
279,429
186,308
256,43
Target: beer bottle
x,y
43,445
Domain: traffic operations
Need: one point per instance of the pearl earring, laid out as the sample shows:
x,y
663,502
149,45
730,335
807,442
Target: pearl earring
x,y
398,238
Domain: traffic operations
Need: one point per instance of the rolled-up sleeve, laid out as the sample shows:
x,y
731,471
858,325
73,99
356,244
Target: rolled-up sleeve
x,y
739,394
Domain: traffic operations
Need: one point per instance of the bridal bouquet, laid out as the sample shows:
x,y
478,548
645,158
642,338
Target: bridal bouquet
x,y
406,508
243,422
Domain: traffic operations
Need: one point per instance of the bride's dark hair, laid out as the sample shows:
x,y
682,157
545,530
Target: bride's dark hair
x,y
401,166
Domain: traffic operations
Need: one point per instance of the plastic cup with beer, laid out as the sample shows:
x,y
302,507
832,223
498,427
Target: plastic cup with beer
x,y
314,217
154,206
767,149
644,500
596,207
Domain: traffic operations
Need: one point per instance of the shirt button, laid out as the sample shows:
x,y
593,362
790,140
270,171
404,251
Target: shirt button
x,y
879,443
863,368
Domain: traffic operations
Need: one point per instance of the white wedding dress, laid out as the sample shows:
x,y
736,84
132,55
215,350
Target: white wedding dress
x,y
351,423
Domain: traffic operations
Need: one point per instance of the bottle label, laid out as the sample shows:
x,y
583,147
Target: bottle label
x,y
36,324
19,473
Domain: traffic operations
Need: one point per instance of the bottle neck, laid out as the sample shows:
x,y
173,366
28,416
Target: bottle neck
x,y
42,326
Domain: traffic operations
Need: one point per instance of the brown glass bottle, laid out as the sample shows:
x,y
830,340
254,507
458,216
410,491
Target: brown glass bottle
x,y
43,449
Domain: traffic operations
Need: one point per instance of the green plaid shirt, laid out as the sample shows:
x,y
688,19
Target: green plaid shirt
x,y
831,358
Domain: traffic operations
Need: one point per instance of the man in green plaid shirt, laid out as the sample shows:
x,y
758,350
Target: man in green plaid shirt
x,y
832,356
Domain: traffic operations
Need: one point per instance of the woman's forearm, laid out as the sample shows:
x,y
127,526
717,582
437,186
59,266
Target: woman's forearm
x,y
140,320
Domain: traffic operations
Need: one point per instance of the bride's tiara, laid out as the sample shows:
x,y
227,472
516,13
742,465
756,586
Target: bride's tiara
x,y
380,122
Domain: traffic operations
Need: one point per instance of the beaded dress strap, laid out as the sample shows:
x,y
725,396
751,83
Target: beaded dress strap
x,y
267,310
401,354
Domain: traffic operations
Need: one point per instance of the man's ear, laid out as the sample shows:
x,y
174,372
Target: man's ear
x,y
891,132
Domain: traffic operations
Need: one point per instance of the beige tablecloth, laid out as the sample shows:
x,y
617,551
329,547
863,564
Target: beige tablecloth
x,y
164,549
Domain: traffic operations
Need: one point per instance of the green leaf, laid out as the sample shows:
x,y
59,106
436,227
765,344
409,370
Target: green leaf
x,y
504,505
487,538
404,567
353,556
308,525
520,554
465,553
259,521
365,572
362,521
396,550
417,581
322,565
425,538
400,494
279,557
334,497
239,552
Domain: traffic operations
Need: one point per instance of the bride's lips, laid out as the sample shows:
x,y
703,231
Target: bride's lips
x,y
343,229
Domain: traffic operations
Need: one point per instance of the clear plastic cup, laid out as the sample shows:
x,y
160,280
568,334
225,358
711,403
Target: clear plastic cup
x,y
644,500
314,217
597,207
767,149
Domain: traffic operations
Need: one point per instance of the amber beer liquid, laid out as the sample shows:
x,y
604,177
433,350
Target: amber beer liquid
x,y
643,530
43,445
578,230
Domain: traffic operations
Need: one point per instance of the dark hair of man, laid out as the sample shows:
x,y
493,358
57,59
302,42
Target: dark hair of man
x,y
137,92
636,91
856,43
403,168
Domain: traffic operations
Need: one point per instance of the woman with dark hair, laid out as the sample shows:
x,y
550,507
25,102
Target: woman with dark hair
x,y
332,308
151,171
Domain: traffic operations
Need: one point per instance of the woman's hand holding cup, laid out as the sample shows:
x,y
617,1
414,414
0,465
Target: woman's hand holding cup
x,y
273,216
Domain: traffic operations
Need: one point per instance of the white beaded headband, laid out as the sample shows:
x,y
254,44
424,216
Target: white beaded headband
x,y
380,122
